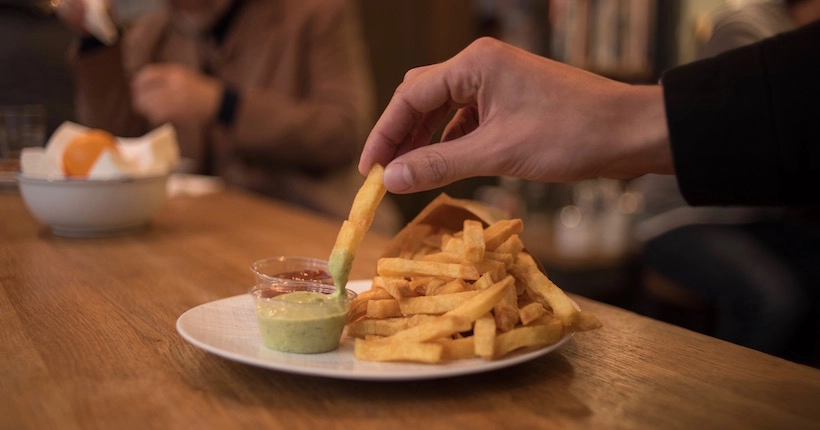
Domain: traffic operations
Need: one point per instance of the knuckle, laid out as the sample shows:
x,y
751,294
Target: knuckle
x,y
484,44
436,167
412,73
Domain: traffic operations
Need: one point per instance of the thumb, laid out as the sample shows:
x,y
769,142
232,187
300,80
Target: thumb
x,y
438,165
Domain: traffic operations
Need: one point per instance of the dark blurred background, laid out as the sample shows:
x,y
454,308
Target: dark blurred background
x,y
598,260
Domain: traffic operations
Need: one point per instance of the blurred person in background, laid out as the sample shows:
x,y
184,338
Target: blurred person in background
x,y
271,96
743,262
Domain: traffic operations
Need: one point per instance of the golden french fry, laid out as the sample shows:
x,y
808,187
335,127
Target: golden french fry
x,y
484,334
496,269
398,288
358,309
444,242
377,327
505,258
498,232
367,199
484,282
445,257
526,336
586,321
379,350
454,286
482,303
362,212
531,312
423,284
436,328
506,311
471,293
421,252
452,245
384,326
387,308
526,270
403,267
374,293
512,246
521,288
457,349
473,240
434,305
343,253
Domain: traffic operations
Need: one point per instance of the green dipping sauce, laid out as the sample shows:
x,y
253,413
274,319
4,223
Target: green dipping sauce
x,y
305,322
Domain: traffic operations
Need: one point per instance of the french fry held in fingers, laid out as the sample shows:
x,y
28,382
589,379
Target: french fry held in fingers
x,y
458,294
354,228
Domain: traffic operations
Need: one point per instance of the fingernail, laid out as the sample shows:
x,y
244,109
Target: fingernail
x,y
397,177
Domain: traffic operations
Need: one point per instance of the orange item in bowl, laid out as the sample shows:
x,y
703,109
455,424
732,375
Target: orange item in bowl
x,y
82,152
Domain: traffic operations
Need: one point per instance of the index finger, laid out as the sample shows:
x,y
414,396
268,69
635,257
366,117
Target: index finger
x,y
433,88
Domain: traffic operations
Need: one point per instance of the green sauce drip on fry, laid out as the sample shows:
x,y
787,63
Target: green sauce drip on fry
x,y
339,265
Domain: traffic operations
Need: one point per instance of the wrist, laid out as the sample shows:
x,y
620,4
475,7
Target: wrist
x,y
642,136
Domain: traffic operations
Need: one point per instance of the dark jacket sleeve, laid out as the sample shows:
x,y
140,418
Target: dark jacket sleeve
x,y
745,126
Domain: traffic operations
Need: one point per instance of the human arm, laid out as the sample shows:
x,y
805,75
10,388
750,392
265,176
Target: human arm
x,y
744,124
520,115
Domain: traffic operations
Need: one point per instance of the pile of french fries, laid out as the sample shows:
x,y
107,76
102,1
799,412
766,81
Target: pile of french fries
x,y
452,295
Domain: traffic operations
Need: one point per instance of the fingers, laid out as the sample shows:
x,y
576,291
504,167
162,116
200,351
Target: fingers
x,y
417,108
426,127
438,165
416,71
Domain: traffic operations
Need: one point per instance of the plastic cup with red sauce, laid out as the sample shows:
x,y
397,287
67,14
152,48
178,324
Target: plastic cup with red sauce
x,y
296,305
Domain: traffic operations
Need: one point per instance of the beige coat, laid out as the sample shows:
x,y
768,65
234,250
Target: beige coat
x,y
306,97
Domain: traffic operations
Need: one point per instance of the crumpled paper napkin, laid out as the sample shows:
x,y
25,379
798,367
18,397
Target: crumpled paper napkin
x,y
154,153
98,21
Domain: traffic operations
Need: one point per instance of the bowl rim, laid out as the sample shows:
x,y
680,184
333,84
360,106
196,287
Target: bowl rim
x,y
289,286
79,180
304,262
282,258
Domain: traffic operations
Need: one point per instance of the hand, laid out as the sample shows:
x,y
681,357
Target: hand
x,y
520,115
170,92
72,13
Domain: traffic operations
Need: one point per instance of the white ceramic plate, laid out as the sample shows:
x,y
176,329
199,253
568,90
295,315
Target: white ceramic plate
x,y
228,328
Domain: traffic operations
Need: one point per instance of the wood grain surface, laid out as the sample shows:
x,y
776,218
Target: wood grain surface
x,y
88,341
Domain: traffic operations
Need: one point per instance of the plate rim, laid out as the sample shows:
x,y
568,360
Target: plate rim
x,y
421,371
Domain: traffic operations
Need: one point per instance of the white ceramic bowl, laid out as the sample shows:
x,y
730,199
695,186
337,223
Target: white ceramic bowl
x,y
83,207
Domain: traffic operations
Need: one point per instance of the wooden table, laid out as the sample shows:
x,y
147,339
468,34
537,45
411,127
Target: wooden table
x,y
89,341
